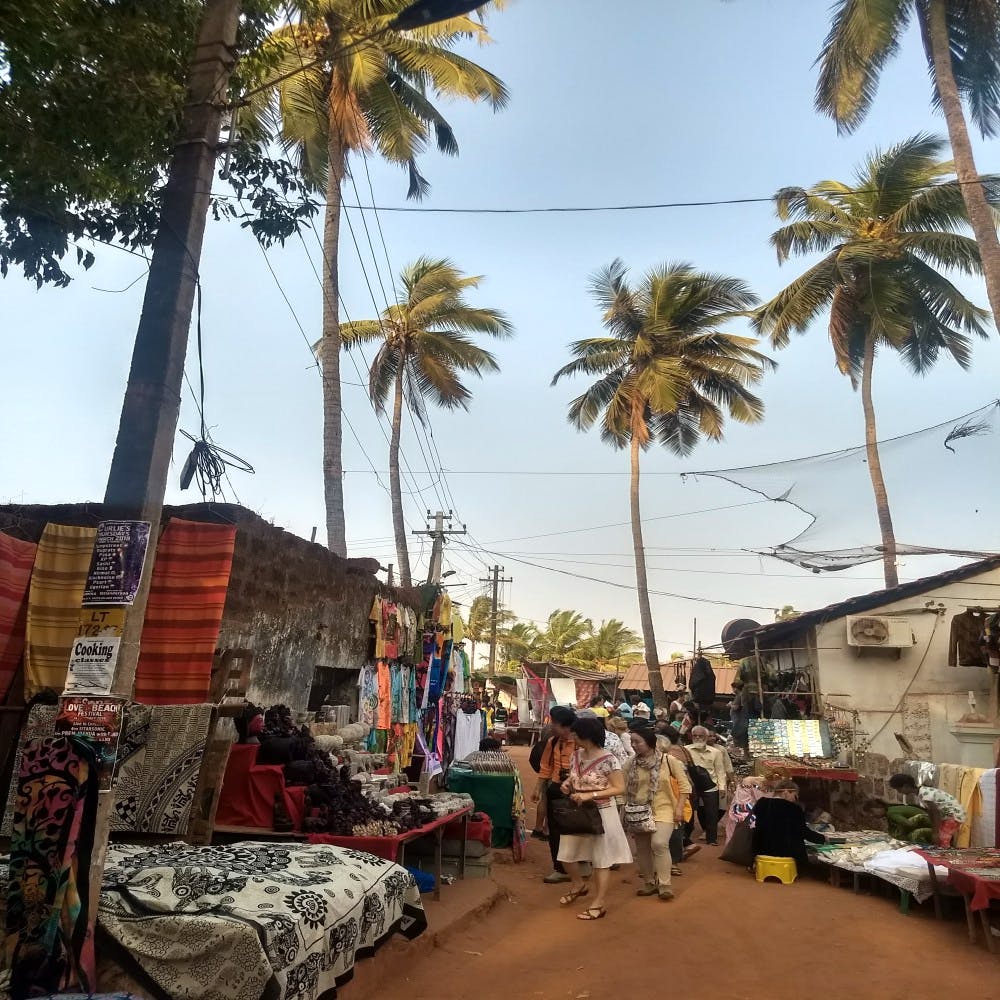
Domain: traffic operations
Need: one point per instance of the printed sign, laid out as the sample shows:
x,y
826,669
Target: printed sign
x,y
116,566
98,720
94,652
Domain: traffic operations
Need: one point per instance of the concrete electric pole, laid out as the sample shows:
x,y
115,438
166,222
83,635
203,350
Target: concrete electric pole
x,y
496,580
438,533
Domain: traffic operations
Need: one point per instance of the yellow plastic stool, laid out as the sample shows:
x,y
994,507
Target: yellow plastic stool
x,y
783,869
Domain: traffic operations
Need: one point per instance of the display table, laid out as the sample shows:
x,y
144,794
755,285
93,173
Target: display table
x,y
764,764
975,873
394,848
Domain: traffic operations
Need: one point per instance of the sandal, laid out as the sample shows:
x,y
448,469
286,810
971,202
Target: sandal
x,y
594,913
676,870
572,897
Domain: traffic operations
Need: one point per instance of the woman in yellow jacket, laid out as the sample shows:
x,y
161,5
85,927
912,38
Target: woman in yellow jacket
x,y
656,789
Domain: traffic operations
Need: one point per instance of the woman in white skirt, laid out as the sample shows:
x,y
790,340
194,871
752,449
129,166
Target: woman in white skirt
x,y
595,775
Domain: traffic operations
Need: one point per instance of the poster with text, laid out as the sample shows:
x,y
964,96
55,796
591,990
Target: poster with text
x,y
94,652
116,566
98,720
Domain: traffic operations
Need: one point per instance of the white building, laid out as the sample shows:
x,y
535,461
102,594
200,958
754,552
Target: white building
x,y
886,655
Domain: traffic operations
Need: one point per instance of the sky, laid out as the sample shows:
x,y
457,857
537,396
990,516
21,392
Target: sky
x,y
673,102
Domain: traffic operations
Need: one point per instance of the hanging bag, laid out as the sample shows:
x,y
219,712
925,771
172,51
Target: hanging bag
x,y
584,819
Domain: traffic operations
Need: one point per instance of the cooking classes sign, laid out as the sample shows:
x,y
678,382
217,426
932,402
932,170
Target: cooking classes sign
x,y
116,566
94,652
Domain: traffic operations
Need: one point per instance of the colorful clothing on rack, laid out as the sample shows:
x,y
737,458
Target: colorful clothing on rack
x,y
367,695
384,712
46,945
375,617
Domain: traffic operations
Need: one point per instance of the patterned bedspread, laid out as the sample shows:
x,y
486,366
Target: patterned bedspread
x,y
251,921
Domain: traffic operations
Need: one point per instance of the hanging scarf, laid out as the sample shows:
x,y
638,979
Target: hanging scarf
x,y
648,762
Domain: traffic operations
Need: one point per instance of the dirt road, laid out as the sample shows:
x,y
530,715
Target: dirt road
x,y
724,937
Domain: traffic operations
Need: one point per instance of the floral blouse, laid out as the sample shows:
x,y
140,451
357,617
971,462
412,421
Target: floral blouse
x,y
591,776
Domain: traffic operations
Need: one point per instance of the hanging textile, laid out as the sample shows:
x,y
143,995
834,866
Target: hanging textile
x,y
54,600
563,690
16,559
585,692
468,732
46,945
368,695
184,613
158,767
986,826
375,617
41,723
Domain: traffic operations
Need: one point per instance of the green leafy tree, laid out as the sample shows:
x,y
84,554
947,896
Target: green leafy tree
x,y
886,241
609,643
563,633
961,40
667,374
517,642
425,348
91,94
477,629
345,85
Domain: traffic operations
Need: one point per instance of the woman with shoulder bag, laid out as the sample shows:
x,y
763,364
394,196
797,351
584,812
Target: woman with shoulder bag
x,y
595,778
653,808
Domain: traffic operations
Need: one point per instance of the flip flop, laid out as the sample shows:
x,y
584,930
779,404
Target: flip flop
x,y
594,913
572,897
676,871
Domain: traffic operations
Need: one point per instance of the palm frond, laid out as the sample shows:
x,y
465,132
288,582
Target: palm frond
x,y
863,37
950,251
794,308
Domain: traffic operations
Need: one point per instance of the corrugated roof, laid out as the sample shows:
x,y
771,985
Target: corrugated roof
x,y
637,679
768,634
571,673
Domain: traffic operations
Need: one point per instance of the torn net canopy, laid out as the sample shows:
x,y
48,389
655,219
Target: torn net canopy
x,y
943,484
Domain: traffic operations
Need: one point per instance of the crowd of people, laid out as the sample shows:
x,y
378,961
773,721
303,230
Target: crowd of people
x,y
620,783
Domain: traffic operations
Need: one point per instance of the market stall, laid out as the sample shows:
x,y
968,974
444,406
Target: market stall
x,y
975,874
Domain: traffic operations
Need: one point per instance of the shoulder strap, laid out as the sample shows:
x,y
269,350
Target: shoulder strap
x,y
589,767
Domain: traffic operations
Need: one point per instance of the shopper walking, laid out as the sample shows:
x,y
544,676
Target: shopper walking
x,y
653,809
709,758
595,775
553,768
681,847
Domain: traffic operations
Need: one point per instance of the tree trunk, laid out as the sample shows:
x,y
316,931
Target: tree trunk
x,y
395,490
935,32
329,359
641,583
875,468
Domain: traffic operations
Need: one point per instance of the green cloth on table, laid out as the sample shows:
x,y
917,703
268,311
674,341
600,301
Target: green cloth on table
x,y
493,794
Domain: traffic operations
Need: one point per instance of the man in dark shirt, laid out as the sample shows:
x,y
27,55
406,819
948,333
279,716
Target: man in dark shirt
x,y
780,829
552,771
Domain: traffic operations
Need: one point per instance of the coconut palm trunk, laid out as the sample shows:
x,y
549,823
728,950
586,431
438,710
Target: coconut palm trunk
x,y
395,489
875,467
935,30
641,582
333,431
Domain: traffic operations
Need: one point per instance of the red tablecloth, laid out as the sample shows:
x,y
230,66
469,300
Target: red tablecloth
x,y
970,871
249,789
386,847
822,773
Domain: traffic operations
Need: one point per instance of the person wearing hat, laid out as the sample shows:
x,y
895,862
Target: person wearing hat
x,y
640,710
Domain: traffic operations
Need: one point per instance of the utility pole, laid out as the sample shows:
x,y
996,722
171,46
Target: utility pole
x,y
438,533
138,477
496,580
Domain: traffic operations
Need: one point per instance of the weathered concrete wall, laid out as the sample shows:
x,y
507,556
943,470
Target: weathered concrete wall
x,y
296,604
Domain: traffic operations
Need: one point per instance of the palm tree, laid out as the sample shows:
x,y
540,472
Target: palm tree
x,y
961,41
346,84
563,633
884,242
424,349
477,629
517,642
607,644
667,371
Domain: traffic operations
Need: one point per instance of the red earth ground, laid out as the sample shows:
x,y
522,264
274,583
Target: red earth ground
x,y
724,937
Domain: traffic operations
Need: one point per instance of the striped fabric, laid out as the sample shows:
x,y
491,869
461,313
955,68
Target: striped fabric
x,y
54,600
184,612
16,560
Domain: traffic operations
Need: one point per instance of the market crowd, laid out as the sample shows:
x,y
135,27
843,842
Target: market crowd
x,y
623,784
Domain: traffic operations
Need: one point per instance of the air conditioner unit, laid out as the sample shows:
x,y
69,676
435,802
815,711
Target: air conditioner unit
x,y
870,631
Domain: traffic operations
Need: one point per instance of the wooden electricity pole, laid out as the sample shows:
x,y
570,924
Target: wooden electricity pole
x,y
496,580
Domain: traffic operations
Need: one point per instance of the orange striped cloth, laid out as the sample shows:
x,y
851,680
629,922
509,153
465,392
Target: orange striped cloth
x,y
16,560
184,612
54,599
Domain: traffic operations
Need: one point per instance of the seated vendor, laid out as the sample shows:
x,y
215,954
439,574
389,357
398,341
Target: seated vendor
x,y
944,813
779,825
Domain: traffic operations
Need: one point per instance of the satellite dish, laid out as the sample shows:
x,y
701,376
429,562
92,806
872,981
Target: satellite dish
x,y
733,630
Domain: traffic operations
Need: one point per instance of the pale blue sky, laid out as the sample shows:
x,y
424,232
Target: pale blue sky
x,y
636,102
